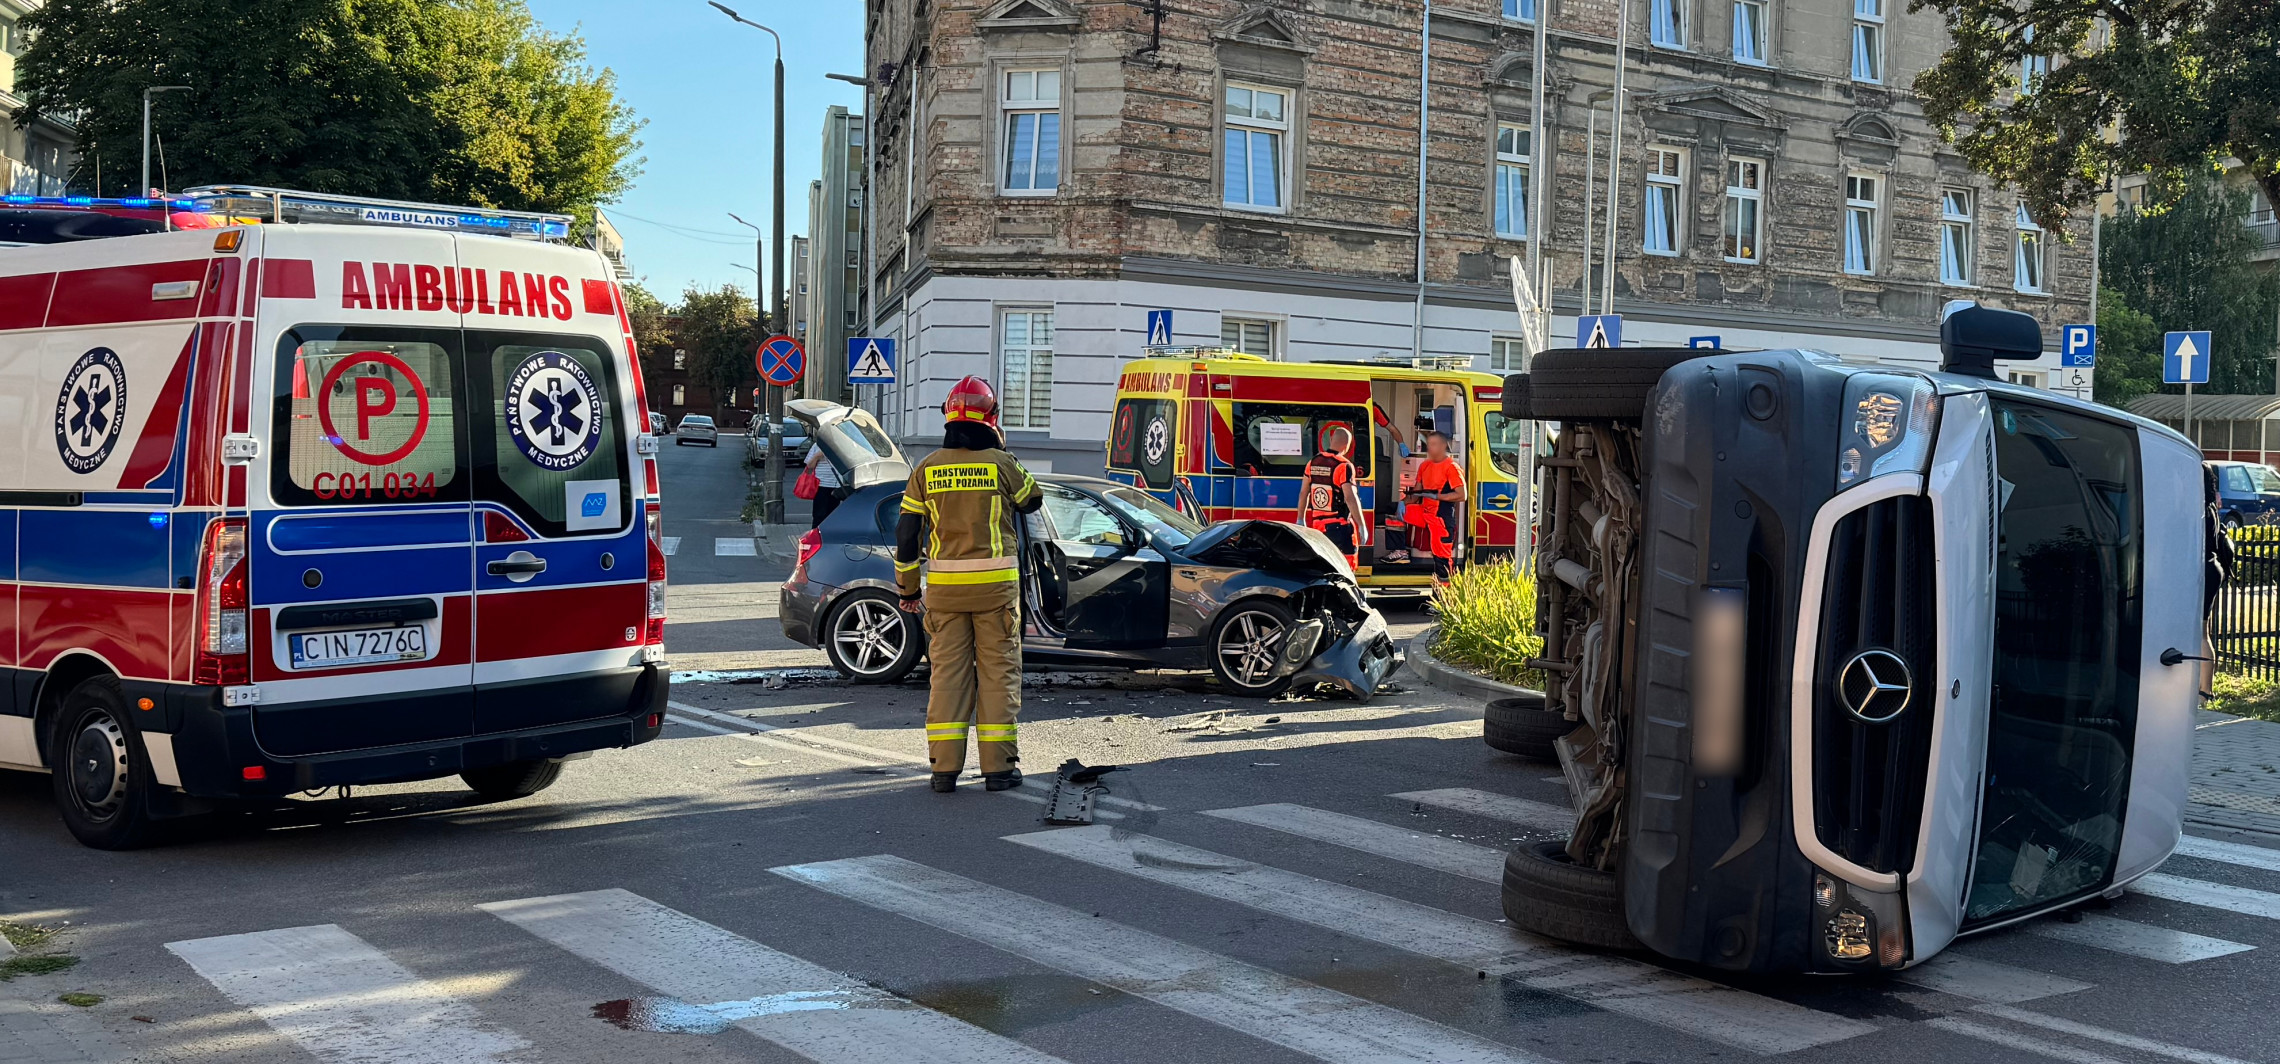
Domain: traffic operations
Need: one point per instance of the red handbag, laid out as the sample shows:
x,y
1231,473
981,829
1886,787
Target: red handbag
x,y
807,487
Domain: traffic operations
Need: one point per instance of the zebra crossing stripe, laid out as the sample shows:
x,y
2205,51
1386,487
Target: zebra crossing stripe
x,y
1537,816
2101,1034
1275,1008
1617,984
734,547
1988,981
2137,940
1369,836
2211,895
2039,1046
2233,853
344,1001
825,1016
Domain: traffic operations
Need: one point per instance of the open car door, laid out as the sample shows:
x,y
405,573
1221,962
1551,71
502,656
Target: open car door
x,y
1106,588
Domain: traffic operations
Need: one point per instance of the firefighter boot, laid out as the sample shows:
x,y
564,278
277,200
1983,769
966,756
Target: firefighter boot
x,y
945,782
1001,781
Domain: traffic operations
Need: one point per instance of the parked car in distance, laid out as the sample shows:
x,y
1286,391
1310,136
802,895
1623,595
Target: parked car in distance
x,y
658,426
696,428
2247,493
795,442
1111,577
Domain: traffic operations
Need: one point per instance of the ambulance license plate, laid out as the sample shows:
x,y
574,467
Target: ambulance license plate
x,y
359,646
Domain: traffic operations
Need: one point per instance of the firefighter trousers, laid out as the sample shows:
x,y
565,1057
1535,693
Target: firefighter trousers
x,y
976,687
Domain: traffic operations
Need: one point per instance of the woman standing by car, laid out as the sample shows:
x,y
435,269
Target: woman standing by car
x,y
827,481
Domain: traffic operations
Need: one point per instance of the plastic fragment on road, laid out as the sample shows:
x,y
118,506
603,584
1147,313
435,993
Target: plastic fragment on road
x,y
1074,787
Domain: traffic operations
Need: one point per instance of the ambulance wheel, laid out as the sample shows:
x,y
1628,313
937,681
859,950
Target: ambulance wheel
x,y
515,779
1546,892
1246,642
1579,383
1521,725
870,639
101,777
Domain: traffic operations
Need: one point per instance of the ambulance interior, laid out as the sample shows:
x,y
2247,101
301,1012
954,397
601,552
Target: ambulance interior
x,y
1405,411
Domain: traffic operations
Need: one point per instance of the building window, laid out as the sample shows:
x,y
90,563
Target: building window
x,y
2025,378
1663,189
2029,250
1257,120
1025,365
1512,147
1249,336
680,359
1868,41
1955,236
2032,68
1666,23
853,320
1745,209
1031,106
1860,223
1749,31
680,395
1523,10
1507,355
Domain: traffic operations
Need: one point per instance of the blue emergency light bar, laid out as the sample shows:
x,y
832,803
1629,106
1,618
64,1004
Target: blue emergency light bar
x,y
140,204
279,205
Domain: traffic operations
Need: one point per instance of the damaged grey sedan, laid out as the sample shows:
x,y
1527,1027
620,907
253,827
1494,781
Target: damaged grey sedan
x,y
1112,577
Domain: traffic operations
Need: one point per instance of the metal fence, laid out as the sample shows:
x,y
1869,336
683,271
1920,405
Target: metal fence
x,y
2245,628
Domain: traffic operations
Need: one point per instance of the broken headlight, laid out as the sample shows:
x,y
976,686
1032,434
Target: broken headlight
x,y
1889,421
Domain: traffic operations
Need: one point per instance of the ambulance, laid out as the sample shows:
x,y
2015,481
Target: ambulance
x,y
1236,431
302,492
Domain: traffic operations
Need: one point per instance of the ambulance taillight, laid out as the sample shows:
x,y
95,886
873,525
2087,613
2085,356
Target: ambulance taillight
x,y
222,658
656,634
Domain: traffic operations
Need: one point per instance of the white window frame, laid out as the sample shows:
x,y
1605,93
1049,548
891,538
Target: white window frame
x,y
1507,354
680,395
680,358
1862,222
2033,68
1271,329
1015,104
1520,10
1965,224
1508,213
1868,41
2030,254
1760,42
1674,186
1742,198
2026,378
1279,131
1667,23
1018,395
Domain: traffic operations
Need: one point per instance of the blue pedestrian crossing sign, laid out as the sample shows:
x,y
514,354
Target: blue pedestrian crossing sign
x,y
2185,358
1159,328
1599,330
2078,346
870,360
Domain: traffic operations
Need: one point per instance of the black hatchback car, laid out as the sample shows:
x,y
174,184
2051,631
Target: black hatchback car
x,y
1111,577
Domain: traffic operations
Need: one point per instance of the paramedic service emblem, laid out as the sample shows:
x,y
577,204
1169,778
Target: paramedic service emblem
x,y
90,411
556,414
1158,441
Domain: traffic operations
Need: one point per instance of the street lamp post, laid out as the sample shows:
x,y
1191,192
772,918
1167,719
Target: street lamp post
x,y
773,493
147,93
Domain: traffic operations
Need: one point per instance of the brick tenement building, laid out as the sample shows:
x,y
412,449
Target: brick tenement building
x,y
1254,169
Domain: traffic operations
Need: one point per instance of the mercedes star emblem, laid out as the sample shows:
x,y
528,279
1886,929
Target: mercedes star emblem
x,y
1875,686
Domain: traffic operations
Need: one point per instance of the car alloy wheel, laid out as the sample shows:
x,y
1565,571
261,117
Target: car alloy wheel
x,y
96,759
1249,643
870,635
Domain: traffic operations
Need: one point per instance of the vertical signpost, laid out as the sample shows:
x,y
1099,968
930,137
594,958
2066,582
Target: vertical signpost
x,y
2185,360
781,361
2077,351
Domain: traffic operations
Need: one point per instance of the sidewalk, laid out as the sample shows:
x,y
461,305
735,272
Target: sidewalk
x,y
2235,782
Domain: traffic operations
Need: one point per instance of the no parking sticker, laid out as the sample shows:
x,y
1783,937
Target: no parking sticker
x,y
373,404
554,414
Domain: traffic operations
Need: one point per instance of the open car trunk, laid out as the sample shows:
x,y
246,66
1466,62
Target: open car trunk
x,y
852,440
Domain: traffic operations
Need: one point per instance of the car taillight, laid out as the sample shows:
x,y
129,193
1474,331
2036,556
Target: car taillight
x,y
656,577
811,541
222,657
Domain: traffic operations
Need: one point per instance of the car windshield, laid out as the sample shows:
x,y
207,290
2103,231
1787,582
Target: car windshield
x,y
1505,439
696,419
2068,574
1153,514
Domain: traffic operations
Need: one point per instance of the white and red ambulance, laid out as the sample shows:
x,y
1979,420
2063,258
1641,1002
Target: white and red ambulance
x,y
299,491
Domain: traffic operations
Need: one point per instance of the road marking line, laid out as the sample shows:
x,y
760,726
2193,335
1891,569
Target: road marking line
x,y
669,544
2235,853
1617,984
820,1014
2126,1041
2212,895
1540,816
1369,836
2136,940
1988,981
344,1001
734,547
2023,1043
1276,1008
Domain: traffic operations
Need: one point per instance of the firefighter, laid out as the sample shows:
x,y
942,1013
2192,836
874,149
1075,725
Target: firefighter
x,y
1327,501
960,503
1433,502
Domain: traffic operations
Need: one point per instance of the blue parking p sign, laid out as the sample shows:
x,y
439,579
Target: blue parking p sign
x,y
2078,346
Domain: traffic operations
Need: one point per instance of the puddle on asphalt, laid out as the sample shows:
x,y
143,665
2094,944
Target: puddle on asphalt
x,y
1015,1003
674,1016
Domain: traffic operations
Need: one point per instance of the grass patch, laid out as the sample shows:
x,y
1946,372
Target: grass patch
x,y
80,999
2245,696
25,936
44,964
755,503
1488,623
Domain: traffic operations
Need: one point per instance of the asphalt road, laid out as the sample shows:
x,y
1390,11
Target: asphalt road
x,y
772,881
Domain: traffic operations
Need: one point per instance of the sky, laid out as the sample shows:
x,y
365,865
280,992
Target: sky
x,y
704,85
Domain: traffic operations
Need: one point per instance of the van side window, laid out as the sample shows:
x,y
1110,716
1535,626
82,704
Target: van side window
x,y
1143,438
2236,479
367,415
1278,439
551,449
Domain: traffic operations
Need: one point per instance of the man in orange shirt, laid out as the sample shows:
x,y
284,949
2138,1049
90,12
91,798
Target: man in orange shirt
x,y
1327,501
1434,500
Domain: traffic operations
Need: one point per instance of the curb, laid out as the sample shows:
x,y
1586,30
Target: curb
x,y
1436,673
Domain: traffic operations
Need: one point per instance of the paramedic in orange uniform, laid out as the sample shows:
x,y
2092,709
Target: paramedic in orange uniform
x,y
1327,501
1433,501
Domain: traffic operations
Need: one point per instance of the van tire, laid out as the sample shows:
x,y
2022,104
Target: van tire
x,y
1598,383
101,777
514,779
1547,893
1521,725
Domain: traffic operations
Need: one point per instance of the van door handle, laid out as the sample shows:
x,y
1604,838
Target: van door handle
x,y
518,567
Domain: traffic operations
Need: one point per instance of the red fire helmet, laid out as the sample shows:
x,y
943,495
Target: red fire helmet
x,y
971,399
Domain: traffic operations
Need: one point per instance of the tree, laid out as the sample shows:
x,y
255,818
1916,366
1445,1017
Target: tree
x,y
2185,266
455,101
720,330
2170,88
2129,354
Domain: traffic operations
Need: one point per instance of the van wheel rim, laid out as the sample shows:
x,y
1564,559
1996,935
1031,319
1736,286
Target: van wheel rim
x,y
1248,645
97,762
869,636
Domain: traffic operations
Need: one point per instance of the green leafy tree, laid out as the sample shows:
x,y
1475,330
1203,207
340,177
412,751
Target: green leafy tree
x,y
457,101
2171,88
2183,267
720,330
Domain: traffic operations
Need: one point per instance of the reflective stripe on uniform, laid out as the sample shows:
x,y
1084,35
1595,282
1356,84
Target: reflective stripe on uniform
x,y
993,576
904,567
1028,488
912,506
995,733
968,565
951,730
997,524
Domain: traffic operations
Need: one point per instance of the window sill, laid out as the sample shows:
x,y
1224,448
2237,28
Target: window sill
x,y
1254,209
1510,20
1658,254
1965,285
2030,291
1520,238
1859,273
1876,83
1758,63
1732,261
1029,193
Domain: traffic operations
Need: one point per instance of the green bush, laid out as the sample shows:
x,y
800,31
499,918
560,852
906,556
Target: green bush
x,y
1488,623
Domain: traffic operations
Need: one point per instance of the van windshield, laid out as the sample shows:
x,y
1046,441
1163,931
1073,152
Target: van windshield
x,y
2068,571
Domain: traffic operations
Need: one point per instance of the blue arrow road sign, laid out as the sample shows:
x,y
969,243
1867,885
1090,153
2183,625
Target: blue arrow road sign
x,y
781,361
1599,330
1702,341
2078,346
870,360
2185,358
1159,328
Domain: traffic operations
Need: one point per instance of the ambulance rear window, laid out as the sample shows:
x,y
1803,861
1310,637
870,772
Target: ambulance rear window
x,y
367,415
552,450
